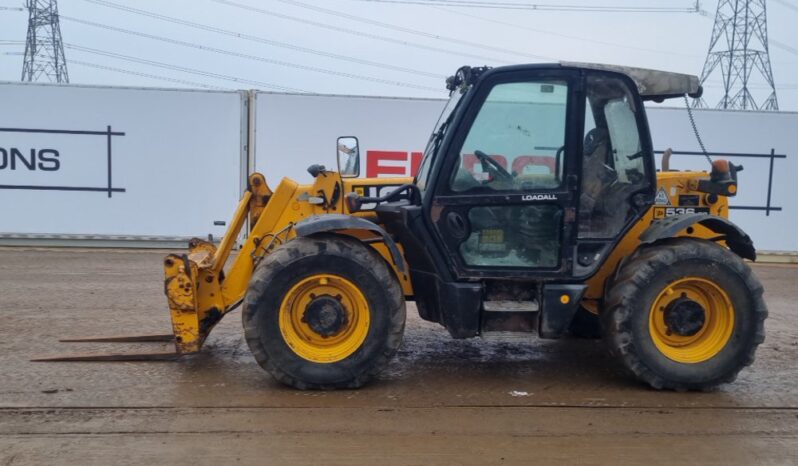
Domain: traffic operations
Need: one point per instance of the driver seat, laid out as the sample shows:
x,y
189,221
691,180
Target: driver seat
x,y
596,176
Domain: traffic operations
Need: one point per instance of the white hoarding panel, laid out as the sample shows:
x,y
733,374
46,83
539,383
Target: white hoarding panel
x,y
755,134
100,161
295,131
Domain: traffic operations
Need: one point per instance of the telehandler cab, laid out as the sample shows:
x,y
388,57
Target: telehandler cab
x,y
537,200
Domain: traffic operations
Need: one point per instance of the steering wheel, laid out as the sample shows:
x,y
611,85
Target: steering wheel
x,y
492,166
636,155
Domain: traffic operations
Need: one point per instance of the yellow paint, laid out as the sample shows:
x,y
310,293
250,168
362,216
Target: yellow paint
x,y
202,286
713,335
305,341
675,184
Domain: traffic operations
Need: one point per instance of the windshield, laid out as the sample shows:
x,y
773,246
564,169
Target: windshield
x,y
437,136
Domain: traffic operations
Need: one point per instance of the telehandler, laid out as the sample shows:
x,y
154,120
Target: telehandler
x,y
537,200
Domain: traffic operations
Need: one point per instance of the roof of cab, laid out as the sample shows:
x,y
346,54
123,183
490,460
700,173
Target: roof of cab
x,y
651,84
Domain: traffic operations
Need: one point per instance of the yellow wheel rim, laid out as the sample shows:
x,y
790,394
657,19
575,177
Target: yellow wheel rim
x,y
324,318
704,337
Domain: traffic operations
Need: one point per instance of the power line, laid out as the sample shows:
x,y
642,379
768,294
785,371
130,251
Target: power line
x,y
784,46
379,37
400,28
559,34
787,4
181,68
146,75
537,6
262,40
252,57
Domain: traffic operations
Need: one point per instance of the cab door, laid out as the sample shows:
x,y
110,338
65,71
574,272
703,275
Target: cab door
x,y
504,202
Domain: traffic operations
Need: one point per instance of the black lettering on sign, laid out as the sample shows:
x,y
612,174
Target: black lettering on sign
x,y
15,159
17,155
49,159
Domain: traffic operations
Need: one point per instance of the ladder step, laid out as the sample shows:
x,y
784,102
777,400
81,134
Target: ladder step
x,y
508,337
510,306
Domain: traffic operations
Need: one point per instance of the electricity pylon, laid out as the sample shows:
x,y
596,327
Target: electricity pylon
x,y
44,50
739,57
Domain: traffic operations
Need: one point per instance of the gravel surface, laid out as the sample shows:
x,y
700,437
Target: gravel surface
x,y
441,401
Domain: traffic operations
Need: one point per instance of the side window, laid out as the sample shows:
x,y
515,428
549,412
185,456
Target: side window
x,y
625,140
516,142
613,164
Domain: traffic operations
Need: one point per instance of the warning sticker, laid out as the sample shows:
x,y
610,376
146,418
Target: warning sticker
x,y
662,198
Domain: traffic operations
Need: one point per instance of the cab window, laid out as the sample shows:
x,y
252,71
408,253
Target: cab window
x,y
613,161
516,142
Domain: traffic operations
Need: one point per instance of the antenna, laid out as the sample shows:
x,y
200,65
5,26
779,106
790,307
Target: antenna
x,y
44,50
739,57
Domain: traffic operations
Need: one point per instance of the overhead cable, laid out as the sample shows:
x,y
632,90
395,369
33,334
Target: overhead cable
x,y
259,39
251,57
368,35
183,69
787,4
145,75
539,6
393,27
559,34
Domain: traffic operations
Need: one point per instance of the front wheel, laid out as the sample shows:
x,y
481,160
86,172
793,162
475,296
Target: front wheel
x,y
323,312
685,314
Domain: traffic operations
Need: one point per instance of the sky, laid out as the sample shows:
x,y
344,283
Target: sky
x,y
362,47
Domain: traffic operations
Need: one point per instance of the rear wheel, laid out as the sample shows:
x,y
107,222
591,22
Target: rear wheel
x,y
323,312
685,314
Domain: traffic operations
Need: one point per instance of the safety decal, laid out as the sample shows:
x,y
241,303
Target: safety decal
x,y
662,198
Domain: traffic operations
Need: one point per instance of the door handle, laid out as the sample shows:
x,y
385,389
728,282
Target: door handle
x,y
457,225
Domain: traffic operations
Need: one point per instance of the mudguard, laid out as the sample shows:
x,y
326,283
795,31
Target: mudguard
x,y
736,239
337,222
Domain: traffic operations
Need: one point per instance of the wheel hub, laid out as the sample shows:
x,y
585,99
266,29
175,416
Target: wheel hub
x,y
325,315
684,317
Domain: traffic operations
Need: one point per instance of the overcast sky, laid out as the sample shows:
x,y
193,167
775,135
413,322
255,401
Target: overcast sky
x,y
379,48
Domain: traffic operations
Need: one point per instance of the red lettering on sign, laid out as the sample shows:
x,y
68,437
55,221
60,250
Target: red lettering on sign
x,y
375,168
523,161
415,162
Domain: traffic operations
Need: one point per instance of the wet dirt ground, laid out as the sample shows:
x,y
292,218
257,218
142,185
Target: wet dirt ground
x,y
440,401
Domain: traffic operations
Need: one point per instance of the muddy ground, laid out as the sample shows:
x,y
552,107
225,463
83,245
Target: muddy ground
x,y
441,401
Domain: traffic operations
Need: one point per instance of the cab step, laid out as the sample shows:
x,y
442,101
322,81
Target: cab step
x,y
509,320
510,306
507,337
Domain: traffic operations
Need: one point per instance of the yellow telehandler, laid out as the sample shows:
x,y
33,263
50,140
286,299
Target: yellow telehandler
x,y
537,204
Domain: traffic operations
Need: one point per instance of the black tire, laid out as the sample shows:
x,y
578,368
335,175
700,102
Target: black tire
x,y
323,254
625,319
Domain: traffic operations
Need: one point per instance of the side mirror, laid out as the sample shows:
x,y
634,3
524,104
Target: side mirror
x,y
348,157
